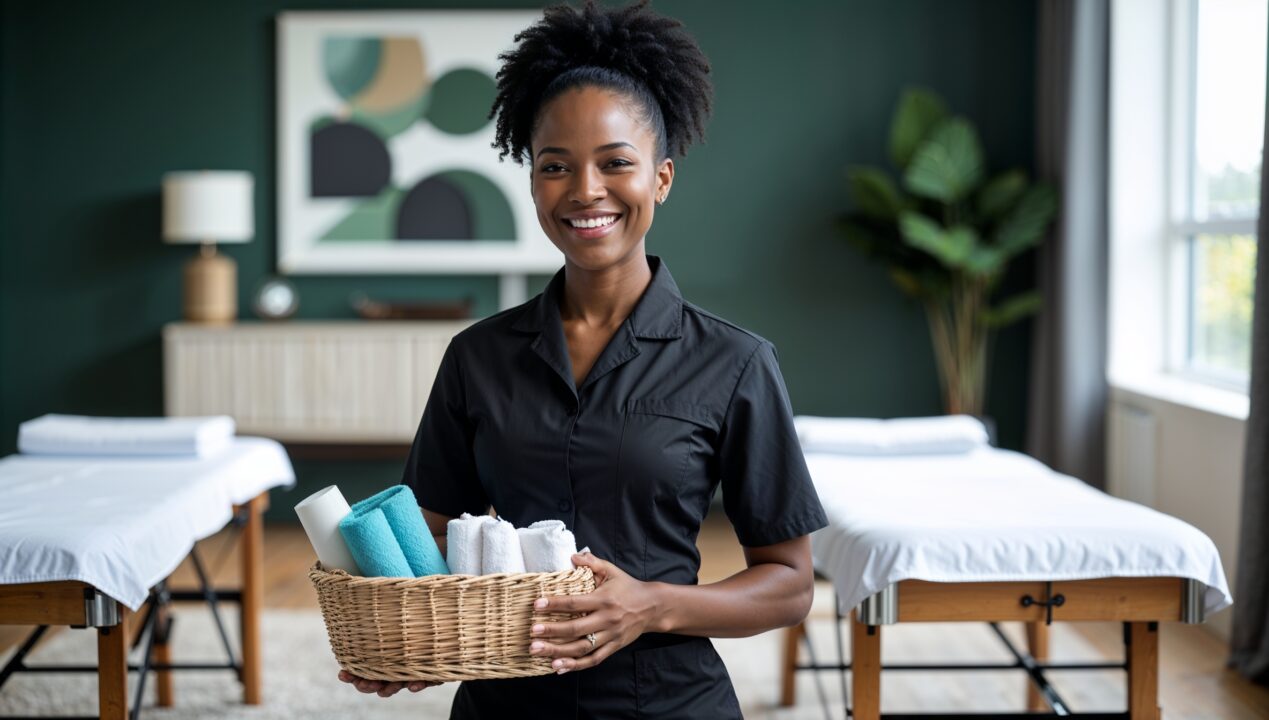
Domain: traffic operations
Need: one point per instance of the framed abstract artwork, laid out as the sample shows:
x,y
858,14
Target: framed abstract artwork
x,y
385,162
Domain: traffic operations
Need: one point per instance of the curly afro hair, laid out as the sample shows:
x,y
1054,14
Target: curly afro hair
x,y
644,56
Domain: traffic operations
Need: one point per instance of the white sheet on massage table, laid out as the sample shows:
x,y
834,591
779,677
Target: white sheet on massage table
x,y
123,524
990,515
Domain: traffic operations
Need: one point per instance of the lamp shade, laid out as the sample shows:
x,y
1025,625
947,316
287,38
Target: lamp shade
x,y
208,206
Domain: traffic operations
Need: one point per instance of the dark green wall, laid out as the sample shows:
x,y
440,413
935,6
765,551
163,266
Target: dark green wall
x,y
98,100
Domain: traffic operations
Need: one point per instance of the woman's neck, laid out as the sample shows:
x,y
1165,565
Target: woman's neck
x,y
604,298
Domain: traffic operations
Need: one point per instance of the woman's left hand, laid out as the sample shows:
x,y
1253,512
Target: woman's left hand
x,y
619,610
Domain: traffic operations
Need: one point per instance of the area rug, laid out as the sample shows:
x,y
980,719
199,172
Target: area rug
x,y
300,675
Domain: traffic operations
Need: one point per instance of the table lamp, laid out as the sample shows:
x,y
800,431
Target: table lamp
x,y
207,207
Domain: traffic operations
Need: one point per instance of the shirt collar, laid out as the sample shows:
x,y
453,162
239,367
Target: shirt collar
x,y
657,316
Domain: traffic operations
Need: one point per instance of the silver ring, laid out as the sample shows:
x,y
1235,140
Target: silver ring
x,y
591,638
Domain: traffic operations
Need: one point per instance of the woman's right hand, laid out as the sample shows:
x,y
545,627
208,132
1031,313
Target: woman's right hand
x,y
384,688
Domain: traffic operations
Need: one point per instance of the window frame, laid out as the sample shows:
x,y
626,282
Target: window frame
x,y
1182,228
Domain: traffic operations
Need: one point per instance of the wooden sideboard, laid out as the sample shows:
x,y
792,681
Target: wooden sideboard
x,y
307,382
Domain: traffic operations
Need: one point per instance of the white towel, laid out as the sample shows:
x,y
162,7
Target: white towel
x,y
948,434
547,546
320,514
147,436
463,543
500,549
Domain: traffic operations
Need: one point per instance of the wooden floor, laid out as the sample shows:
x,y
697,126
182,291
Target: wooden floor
x,y
1193,679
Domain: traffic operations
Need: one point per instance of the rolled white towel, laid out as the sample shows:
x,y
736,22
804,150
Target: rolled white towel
x,y
946,434
464,543
547,546
320,514
500,549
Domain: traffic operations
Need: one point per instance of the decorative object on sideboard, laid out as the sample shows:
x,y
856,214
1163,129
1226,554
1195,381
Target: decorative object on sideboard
x,y
276,299
411,310
207,207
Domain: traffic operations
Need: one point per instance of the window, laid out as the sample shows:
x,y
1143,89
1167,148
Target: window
x,y
1218,105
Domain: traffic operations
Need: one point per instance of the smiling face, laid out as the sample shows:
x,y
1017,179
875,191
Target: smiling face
x,y
596,177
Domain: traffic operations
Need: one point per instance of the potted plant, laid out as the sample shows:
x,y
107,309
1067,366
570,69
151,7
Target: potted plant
x,y
946,235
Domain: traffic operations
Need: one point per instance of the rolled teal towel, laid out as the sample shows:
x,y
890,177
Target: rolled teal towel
x,y
405,519
370,540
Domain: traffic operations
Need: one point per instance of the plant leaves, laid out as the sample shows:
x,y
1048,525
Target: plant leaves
x,y
918,112
950,247
948,165
984,261
920,231
874,193
1024,226
1012,310
1000,194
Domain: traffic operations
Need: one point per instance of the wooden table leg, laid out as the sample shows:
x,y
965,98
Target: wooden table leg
x,y
788,688
112,669
1038,646
252,552
1143,671
162,655
865,669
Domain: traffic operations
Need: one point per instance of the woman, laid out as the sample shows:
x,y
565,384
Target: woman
x,y
611,403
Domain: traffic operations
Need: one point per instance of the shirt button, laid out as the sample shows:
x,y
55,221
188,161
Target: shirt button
x,y
565,505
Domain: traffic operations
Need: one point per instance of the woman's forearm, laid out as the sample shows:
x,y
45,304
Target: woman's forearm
x,y
438,525
760,598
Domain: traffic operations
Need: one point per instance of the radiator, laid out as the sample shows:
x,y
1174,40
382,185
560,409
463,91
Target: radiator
x,y
1131,453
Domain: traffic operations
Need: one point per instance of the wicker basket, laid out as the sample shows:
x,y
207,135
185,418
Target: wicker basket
x,y
440,627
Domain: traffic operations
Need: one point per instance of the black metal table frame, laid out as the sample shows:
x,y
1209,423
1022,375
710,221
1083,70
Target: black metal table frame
x,y
1023,661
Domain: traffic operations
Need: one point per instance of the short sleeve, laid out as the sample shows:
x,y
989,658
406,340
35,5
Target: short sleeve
x,y
441,469
767,490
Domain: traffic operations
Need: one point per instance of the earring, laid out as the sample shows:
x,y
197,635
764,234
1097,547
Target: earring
x,y
661,200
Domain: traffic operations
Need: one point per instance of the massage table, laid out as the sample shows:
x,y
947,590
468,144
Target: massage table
x,y
993,535
87,541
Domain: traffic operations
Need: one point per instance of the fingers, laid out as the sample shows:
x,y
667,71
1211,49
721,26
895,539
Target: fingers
x,y
393,688
574,649
368,686
601,568
569,629
569,603
589,660
383,688
390,689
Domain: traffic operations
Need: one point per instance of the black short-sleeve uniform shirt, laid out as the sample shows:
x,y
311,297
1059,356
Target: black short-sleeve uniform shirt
x,y
678,402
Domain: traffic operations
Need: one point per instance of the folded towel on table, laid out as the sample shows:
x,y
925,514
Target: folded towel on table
x,y
500,549
373,545
547,546
948,434
463,543
401,510
84,435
